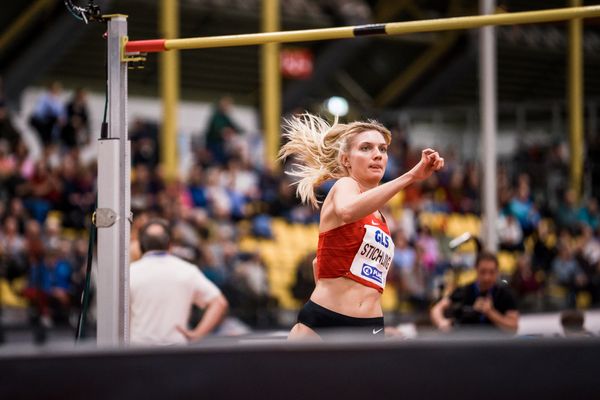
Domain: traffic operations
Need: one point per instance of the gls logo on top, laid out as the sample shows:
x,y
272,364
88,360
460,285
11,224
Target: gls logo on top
x,y
371,272
382,239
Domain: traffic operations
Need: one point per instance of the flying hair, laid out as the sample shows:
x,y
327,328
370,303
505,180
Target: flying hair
x,y
317,147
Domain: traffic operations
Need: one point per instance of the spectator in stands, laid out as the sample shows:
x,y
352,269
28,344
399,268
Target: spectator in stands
x,y
221,130
20,168
15,169
304,284
8,169
544,248
49,284
8,132
355,248
48,116
472,184
415,281
484,303
505,190
25,163
185,240
60,275
242,184
285,202
523,208
76,131
251,286
174,200
408,221
433,196
269,181
526,284
42,192
12,249
589,214
430,247
77,196
568,273
588,256
145,188
163,288
593,155
223,248
17,210
196,186
52,232
38,282
510,234
144,143
78,260
455,192
567,213
219,200
405,255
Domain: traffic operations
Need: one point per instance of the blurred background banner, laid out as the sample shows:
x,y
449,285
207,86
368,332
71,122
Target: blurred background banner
x,y
296,63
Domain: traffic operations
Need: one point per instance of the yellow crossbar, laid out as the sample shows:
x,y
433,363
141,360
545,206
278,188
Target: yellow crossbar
x,y
393,28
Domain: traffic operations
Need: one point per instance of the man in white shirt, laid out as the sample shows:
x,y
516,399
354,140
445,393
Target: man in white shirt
x,y
163,289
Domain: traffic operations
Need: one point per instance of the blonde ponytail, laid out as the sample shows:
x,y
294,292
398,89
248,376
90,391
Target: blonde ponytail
x,y
317,148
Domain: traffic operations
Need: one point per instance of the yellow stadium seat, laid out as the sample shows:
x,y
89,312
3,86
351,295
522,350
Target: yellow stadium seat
x,y
507,262
389,299
583,300
529,244
9,297
395,205
467,277
473,223
555,290
469,247
456,225
404,307
248,244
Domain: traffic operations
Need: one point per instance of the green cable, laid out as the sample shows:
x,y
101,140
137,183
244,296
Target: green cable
x,y
85,299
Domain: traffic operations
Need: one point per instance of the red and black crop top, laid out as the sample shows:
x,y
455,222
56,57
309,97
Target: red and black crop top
x,y
361,251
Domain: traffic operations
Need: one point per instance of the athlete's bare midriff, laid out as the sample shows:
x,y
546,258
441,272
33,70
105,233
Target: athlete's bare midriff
x,y
348,297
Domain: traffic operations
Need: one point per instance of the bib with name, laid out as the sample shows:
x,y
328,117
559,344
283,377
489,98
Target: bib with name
x,y
374,256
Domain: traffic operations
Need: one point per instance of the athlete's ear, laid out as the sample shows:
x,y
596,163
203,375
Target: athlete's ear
x,y
344,160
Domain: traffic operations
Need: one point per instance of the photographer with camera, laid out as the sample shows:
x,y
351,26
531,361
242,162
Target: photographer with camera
x,y
484,303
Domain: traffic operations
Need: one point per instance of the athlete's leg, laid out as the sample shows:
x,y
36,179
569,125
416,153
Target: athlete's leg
x,y
301,332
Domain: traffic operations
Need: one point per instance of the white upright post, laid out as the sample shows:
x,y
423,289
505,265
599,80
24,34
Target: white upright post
x,y
113,213
487,90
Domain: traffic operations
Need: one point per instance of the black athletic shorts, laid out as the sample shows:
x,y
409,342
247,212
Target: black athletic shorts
x,y
324,321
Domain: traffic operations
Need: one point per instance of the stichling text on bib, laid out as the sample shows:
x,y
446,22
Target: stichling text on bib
x,y
374,256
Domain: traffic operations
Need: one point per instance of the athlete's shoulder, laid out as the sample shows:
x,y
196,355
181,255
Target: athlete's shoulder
x,y
344,180
346,183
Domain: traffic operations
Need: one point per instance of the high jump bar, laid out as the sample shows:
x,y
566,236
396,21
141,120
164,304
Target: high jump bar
x,y
392,28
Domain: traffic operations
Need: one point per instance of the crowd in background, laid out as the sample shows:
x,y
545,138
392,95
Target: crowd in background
x,y
46,203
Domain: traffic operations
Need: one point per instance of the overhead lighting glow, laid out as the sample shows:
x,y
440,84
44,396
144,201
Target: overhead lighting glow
x,y
337,106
